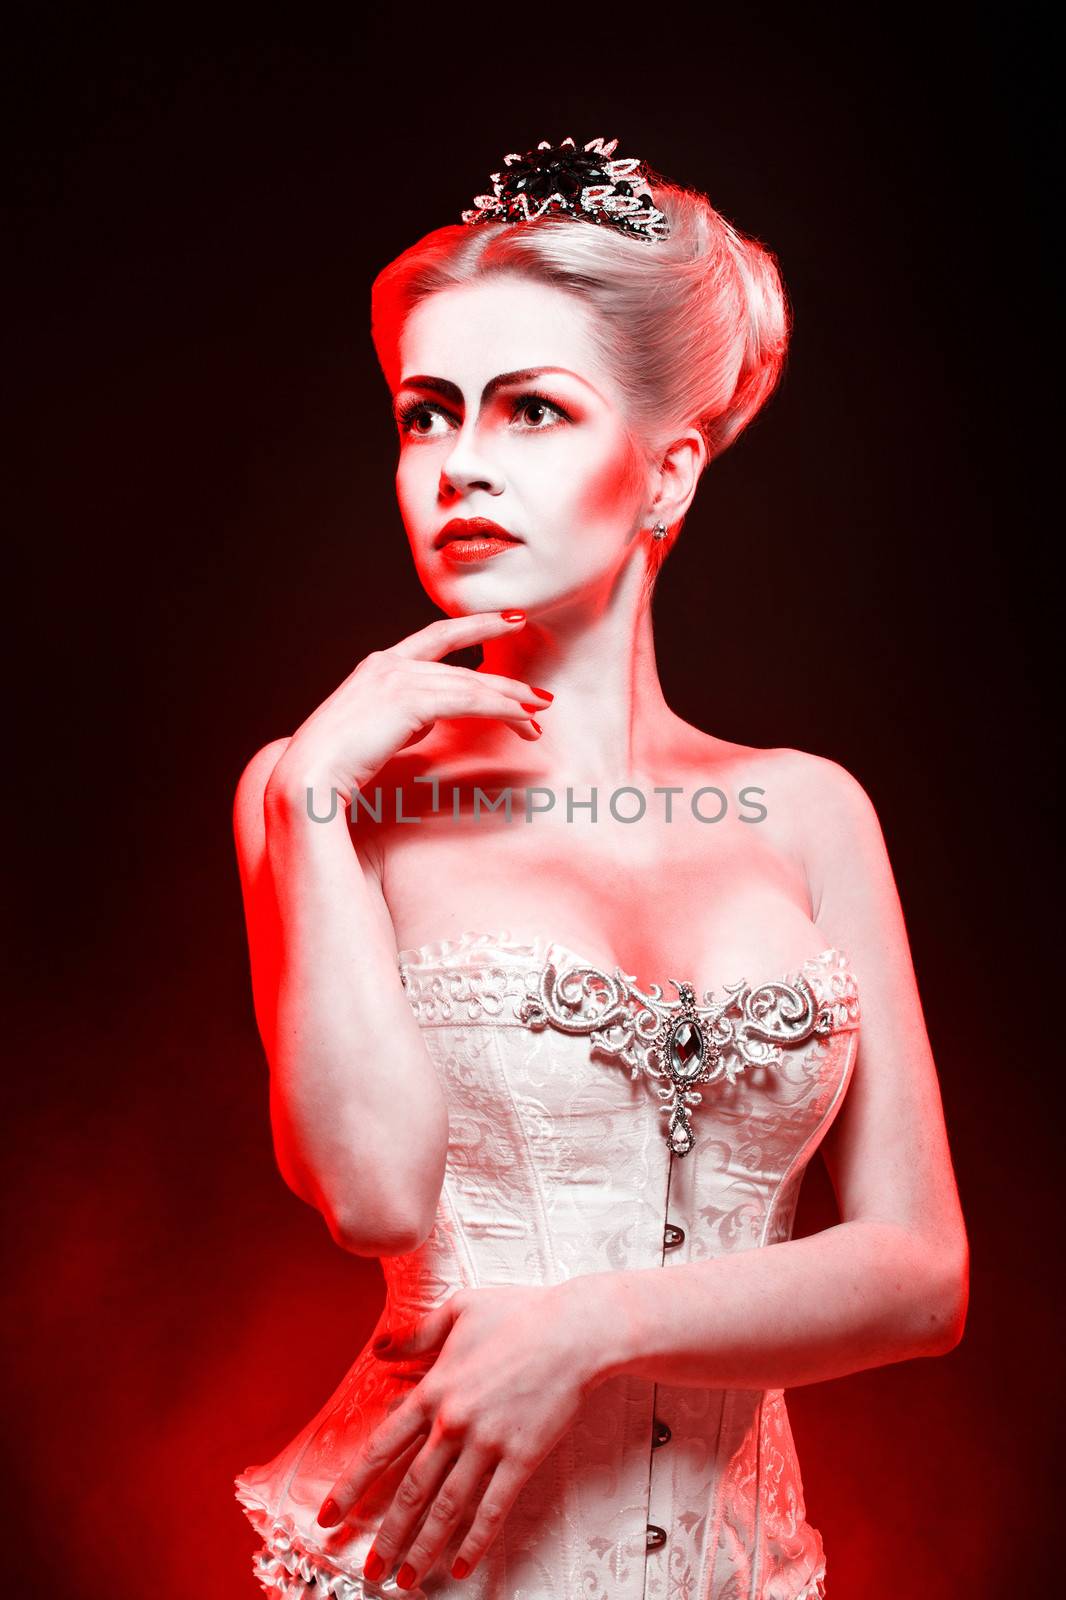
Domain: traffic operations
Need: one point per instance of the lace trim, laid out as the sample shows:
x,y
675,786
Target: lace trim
x,y
829,973
438,950
464,978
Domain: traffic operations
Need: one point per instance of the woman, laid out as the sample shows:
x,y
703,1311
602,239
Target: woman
x,y
555,1021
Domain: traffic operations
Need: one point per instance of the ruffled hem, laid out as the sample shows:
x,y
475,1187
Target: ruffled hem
x,y
288,1562
815,1590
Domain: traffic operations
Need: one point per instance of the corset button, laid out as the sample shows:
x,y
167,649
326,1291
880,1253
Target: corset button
x,y
656,1536
660,1433
673,1236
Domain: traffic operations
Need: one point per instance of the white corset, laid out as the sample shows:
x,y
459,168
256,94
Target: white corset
x,y
561,1107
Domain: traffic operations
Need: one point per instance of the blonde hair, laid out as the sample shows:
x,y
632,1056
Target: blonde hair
x,y
694,328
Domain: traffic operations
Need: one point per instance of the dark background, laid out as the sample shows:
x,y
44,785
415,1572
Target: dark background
x,y
208,541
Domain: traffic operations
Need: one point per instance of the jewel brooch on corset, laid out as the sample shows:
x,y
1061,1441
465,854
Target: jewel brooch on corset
x,y
682,1041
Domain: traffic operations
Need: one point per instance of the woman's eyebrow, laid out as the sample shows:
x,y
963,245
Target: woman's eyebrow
x,y
504,380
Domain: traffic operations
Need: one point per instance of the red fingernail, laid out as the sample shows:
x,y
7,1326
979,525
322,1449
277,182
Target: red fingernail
x,y
536,725
526,706
461,1568
406,1576
373,1566
545,692
330,1514
513,616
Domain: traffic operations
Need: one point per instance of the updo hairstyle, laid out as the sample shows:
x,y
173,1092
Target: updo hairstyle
x,y
694,328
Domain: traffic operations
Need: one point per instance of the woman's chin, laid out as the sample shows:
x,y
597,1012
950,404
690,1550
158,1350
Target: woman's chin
x,y
467,594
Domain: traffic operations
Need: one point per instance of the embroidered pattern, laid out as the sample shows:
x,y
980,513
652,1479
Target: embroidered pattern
x,y
684,1042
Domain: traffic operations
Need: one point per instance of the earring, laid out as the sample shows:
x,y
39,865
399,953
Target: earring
x,y
659,531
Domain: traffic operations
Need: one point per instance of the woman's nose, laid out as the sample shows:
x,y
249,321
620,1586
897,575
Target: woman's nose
x,y
466,467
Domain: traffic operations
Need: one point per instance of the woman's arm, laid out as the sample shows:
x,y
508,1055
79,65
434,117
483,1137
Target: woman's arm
x,y
359,1120
890,1281
857,1295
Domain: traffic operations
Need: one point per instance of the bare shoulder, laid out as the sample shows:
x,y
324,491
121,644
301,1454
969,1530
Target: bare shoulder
x,y
811,799
829,808
819,778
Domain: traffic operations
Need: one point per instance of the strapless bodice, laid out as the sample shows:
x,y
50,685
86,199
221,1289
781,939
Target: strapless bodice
x,y
564,1083
681,1041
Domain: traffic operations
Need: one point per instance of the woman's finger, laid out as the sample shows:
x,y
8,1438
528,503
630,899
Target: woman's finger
x,y
375,1455
525,693
418,1342
458,696
503,1488
427,1507
486,694
439,638
470,1510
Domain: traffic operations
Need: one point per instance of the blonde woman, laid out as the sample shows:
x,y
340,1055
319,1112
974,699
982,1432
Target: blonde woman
x,y
559,993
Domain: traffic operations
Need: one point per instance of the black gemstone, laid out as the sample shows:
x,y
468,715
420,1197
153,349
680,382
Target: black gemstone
x,y
558,170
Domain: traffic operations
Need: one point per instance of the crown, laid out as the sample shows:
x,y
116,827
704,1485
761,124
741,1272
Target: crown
x,y
586,184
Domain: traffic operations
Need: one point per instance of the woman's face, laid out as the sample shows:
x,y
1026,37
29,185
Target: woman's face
x,y
506,413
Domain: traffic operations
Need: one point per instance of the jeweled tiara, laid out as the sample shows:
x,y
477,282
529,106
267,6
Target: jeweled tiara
x,y
586,184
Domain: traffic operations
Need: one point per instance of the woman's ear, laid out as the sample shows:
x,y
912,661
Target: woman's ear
x,y
679,472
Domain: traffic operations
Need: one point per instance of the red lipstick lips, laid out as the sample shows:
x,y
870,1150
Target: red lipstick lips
x,y
470,528
467,539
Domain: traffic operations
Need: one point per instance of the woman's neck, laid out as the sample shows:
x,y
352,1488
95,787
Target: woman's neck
x,y
609,720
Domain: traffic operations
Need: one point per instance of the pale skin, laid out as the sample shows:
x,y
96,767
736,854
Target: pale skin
x,y
500,1372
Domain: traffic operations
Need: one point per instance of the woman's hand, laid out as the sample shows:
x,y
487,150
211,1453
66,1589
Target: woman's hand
x,y
511,1367
393,698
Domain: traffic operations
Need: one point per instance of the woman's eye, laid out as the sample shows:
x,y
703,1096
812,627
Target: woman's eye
x,y
541,413
536,402
411,417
